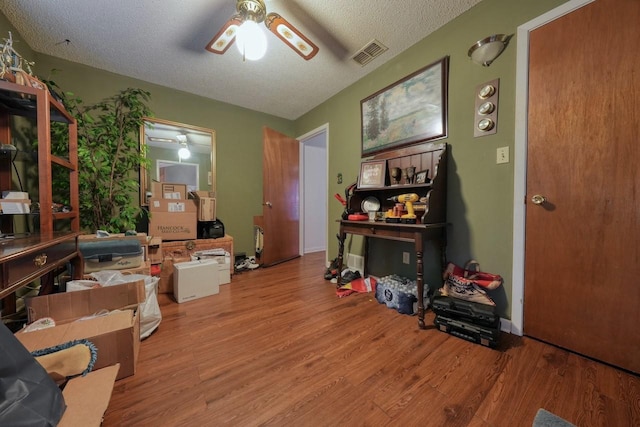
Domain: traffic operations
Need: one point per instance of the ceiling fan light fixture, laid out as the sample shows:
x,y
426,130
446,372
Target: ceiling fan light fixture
x,y
184,152
253,46
251,40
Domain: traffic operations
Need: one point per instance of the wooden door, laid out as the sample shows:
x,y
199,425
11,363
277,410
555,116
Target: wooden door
x,y
582,259
281,204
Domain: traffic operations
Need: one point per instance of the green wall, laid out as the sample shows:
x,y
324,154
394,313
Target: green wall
x,y
238,131
480,192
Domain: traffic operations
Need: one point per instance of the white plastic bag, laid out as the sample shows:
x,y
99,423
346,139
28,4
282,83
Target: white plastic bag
x,y
150,315
81,285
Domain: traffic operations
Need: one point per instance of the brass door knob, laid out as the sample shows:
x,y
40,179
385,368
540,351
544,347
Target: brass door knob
x,y
538,199
268,204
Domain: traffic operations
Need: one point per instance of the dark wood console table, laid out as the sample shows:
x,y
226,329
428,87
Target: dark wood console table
x,y
416,233
25,259
430,159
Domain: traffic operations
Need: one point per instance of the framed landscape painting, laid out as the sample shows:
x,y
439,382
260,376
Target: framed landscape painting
x,y
409,111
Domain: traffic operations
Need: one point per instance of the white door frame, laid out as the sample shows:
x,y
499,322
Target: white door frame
x,y
317,131
520,156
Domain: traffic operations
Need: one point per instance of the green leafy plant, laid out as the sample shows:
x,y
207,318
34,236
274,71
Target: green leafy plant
x,y
109,157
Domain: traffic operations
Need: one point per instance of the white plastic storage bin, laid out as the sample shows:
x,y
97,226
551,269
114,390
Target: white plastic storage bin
x,y
195,279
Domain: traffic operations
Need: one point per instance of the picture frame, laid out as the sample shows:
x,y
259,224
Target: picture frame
x,y
407,112
373,173
422,177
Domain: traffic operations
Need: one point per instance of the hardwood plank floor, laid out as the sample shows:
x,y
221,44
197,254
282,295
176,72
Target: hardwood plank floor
x,y
278,347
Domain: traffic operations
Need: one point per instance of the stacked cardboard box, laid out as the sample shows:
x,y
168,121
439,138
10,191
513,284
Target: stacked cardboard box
x,y
206,201
117,335
15,202
172,215
173,219
168,190
222,260
182,251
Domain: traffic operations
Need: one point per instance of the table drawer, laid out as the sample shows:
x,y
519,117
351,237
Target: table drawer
x,y
37,262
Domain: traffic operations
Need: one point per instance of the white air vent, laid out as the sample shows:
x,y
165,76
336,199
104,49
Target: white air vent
x,y
355,262
372,50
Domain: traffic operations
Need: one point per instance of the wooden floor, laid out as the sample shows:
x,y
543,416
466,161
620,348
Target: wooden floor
x,y
277,347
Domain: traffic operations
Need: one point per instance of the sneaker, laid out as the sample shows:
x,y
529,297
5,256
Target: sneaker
x,y
242,265
348,276
332,271
252,264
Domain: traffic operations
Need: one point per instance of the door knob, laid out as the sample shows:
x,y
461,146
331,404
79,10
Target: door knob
x,y
268,204
538,199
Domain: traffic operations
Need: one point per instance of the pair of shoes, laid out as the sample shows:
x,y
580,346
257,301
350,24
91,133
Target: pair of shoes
x,y
332,271
348,276
330,274
248,263
252,264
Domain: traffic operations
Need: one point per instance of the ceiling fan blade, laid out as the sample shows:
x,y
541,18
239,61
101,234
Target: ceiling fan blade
x,y
291,36
225,37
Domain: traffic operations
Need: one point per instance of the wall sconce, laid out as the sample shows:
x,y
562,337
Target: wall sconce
x,y
485,51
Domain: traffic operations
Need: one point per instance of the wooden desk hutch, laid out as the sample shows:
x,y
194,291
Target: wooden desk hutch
x,y
26,255
431,221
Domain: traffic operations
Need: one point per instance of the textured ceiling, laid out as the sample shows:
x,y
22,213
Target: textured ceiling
x,y
162,41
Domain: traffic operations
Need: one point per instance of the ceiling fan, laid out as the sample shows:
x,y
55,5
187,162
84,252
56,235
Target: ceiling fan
x,y
243,28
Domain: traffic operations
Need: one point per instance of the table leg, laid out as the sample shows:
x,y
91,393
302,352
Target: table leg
x,y
420,280
341,239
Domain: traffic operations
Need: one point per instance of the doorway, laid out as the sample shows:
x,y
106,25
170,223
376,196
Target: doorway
x,y
579,190
314,193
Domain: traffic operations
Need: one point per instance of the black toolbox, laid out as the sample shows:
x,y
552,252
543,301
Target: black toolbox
x,y
478,334
467,311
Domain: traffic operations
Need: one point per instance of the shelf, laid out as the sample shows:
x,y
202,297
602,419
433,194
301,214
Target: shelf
x,y
392,187
62,162
22,100
430,158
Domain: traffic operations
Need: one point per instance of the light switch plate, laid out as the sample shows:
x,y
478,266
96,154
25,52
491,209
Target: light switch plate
x,y
502,155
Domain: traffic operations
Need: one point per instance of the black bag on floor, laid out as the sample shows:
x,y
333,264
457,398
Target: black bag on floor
x,y
28,395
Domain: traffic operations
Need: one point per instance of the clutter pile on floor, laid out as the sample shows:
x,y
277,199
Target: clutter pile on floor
x,y
398,293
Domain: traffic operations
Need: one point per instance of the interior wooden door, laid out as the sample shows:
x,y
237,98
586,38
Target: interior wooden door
x,y
582,259
281,204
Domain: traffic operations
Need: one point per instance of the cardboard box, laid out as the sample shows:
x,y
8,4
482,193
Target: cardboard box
x,y
22,195
173,219
174,226
224,274
88,397
117,336
206,201
173,205
168,190
223,263
155,250
15,206
195,279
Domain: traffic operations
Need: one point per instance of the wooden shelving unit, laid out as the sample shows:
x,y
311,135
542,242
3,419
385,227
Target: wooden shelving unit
x,y
49,242
33,103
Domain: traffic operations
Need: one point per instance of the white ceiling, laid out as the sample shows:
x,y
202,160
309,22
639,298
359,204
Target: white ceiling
x,y
162,41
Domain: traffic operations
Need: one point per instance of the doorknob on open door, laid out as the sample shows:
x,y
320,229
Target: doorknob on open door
x,y
538,199
268,204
